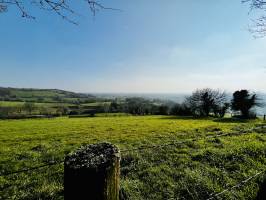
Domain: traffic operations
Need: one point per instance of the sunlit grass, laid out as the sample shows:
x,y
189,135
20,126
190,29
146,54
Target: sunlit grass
x,y
191,170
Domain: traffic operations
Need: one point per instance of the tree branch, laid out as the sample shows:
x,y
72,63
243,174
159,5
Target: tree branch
x,y
60,7
258,29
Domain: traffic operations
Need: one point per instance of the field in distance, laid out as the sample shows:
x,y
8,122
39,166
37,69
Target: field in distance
x,y
41,95
200,165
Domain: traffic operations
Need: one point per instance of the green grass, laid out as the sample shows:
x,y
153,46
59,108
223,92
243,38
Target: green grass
x,y
96,104
49,105
10,103
191,170
17,103
43,95
35,93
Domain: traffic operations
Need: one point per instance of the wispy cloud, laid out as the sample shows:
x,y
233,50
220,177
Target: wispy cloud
x,y
182,69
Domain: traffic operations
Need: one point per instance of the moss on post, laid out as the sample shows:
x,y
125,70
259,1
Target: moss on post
x,y
92,172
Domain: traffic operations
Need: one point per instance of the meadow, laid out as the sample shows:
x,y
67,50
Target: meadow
x,y
203,156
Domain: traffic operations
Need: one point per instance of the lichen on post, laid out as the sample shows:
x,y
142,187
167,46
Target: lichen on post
x,y
92,172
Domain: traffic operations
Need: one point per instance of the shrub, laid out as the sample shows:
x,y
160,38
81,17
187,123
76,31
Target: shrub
x,y
181,110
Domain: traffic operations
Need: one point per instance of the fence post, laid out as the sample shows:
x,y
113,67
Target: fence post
x,y
92,172
262,191
264,117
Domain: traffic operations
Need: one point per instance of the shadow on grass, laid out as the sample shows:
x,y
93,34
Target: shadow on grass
x,y
220,120
231,120
187,117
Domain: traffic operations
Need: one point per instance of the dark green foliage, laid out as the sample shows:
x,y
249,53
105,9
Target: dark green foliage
x,y
243,101
62,110
57,99
4,92
137,106
29,107
163,110
73,112
114,107
181,110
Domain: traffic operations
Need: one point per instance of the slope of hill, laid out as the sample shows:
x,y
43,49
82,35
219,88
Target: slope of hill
x,y
40,95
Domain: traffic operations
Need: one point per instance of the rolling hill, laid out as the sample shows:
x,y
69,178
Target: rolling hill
x,y
41,95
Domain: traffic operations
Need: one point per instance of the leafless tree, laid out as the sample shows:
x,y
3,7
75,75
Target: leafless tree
x,y
62,8
259,26
202,102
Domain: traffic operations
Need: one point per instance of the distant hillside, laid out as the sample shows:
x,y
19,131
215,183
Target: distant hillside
x,y
41,95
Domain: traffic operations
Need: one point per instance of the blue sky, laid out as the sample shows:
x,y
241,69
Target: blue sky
x,y
152,46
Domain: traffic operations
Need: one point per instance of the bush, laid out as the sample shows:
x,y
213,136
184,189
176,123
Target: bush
x,y
181,110
73,112
163,110
29,107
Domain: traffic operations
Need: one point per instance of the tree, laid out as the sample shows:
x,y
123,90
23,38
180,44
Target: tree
x,y
205,101
62,110
163,110
57,98
259,27
114,106
29,107
137,106
181,110
243,101
106,107
63,8
4,92
220,110
6,111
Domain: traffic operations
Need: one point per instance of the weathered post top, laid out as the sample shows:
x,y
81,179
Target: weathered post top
x,y
94,156
92,172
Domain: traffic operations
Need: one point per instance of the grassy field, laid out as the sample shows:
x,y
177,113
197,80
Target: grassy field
x,y
199,166
16,103
44,108
49,105
42,95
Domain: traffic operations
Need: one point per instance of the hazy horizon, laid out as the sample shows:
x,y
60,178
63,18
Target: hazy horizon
x,y
131,93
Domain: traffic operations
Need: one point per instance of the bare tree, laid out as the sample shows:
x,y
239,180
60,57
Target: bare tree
x,y
259,26
62,8
205,101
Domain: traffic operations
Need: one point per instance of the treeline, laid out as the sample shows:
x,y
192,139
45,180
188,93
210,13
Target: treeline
x,y
30,110
201,103
139,106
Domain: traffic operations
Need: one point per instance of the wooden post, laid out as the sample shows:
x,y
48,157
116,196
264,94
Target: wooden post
x,y
264,117
262,190
92,172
